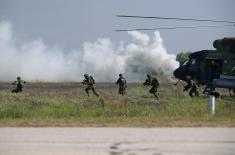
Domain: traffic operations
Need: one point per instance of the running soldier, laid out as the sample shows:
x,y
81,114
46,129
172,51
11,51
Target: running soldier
x,y
154,89
90,82
122,84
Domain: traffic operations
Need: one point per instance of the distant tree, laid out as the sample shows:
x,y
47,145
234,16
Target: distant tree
x,y
182,57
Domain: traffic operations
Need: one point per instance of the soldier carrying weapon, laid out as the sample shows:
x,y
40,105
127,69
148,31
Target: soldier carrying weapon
x,y
154,89
90,82
122,84
148,81
19,86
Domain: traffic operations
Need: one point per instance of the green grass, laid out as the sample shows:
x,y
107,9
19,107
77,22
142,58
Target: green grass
x,y
66,104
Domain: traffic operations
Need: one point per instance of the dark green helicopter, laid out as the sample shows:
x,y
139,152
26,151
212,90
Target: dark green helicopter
x,y
213,68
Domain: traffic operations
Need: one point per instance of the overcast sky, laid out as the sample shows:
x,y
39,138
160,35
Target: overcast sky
x,y
69,23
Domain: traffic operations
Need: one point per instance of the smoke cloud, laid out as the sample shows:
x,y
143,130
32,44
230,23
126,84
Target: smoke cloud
x,y
34,60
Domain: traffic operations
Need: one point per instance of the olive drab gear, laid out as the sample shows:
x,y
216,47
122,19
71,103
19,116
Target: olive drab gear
x,y
192,85
154,89
148,81
90,82
122,84
19,86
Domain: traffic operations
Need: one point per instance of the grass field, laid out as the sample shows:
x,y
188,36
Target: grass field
x,y
66,104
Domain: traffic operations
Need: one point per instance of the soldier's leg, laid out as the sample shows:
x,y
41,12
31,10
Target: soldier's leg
x,y
119,90
14,91
19,88
151,91
191,92
122,90
156,94
196,92
87,91
93,89
231,92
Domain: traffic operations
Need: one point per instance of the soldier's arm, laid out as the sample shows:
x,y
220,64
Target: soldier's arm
x,y
84,82
14,83
118,81
146,82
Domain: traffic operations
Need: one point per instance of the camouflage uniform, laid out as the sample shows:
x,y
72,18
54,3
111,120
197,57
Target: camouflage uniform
x,y
122,84
231,91
148,81
90,82
192,85
19,86
155,85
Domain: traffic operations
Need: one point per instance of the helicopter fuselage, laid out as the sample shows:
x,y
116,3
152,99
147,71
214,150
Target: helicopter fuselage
x,y
213,68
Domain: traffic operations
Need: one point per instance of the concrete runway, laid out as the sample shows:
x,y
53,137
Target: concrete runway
x,y
117,141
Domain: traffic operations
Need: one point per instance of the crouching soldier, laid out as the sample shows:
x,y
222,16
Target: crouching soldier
x,y
122,84
148,81
19,86
90,82
192,85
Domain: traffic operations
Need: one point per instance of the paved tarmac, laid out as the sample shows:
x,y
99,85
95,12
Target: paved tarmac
x,y
117,141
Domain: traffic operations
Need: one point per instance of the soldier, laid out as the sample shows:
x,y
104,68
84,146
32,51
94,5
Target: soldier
x,y
192,85
231,92
148,81
19,86
90,82
122,84
155,85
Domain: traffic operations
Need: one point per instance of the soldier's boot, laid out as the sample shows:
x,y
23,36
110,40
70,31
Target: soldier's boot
x,y
95,92
231,92
156,94
197,93
122,93
14,91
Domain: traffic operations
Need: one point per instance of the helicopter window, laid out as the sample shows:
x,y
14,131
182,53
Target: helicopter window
x,y
185,63
193,61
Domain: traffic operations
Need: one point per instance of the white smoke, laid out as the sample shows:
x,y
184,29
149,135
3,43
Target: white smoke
x,y
34,60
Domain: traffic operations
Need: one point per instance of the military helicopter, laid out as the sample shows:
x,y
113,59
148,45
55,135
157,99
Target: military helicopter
x,y
213,68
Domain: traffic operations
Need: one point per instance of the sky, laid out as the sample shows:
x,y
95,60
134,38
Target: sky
x,y
70,23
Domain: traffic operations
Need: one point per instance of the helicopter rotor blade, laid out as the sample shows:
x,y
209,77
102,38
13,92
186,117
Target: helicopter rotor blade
x,y
175,18
172,28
